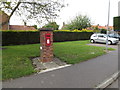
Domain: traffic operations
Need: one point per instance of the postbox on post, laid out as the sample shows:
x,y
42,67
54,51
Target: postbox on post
x,y
46,44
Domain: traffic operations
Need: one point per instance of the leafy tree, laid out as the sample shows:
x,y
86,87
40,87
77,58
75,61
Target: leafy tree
x,y
96,29
79,22
103,31
35,9
52,25
35,26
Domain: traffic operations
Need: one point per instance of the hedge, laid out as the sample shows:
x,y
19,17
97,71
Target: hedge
x,y
71,36
17,38
117,23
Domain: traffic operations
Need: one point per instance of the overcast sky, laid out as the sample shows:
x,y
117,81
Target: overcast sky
x,y
97,10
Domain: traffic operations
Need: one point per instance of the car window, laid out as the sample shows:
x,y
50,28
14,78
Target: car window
x,y
95,36
101,36
114,35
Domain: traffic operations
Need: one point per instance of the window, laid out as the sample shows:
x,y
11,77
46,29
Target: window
x,y
101,36
95,36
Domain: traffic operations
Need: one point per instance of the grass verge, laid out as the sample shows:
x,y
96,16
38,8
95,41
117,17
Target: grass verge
x,y
77,51
16,59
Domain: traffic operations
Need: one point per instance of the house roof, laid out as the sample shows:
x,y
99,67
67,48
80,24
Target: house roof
x,y
99,27
21,27
102,27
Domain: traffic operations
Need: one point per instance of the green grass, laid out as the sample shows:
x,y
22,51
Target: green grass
x,y
77,51
16,62
16,59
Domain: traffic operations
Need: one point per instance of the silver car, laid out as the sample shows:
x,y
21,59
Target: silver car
x,y
102,38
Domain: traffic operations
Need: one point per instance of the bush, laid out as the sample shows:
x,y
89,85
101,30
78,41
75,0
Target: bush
x,y
76,30
19,30
16,38
71,36
30,37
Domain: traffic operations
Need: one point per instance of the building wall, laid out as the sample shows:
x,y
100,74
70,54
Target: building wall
x,y
3,18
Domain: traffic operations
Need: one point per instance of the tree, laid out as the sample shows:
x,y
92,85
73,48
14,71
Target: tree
x,y
103,31
35,9
35,26
52,25
96,29
79,22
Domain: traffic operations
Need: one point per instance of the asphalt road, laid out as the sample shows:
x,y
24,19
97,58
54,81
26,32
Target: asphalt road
x,y
87,74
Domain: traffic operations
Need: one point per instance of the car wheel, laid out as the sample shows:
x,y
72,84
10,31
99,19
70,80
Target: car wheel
x,y
92,41
109,42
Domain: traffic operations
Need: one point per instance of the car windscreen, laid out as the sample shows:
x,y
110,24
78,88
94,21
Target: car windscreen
x,y
114,35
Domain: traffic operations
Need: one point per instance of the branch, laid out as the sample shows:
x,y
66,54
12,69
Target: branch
x,y
3,23
14,9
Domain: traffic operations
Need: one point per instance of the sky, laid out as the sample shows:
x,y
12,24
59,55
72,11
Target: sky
x,y
97,10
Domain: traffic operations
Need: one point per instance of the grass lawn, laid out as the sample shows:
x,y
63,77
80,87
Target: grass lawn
x,y
16,59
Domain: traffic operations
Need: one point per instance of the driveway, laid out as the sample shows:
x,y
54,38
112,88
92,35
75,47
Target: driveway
x,y
104,45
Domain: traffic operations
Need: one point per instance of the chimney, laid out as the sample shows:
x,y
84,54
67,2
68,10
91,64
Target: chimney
x,y
63,23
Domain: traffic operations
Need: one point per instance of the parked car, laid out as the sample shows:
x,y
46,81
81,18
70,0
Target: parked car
x,y
102,38
115,35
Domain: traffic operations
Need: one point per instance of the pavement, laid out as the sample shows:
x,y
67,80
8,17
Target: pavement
x,y
87,74
115,84
42,67
110,80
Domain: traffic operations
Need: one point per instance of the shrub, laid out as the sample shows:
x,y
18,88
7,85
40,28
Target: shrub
x,y
62,30
16,38
19,30
32,37
71,36
76,30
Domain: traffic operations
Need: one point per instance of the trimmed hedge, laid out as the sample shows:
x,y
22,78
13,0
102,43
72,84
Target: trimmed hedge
x,y
71,36
117,23
17,38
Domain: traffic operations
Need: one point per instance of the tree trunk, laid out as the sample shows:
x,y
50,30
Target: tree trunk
x,y
3,23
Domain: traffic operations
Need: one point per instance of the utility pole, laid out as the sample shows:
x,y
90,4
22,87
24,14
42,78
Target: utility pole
x,y
119,8
108,26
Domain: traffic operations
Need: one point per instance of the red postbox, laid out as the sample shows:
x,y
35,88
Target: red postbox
x,y
46,42
48,39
